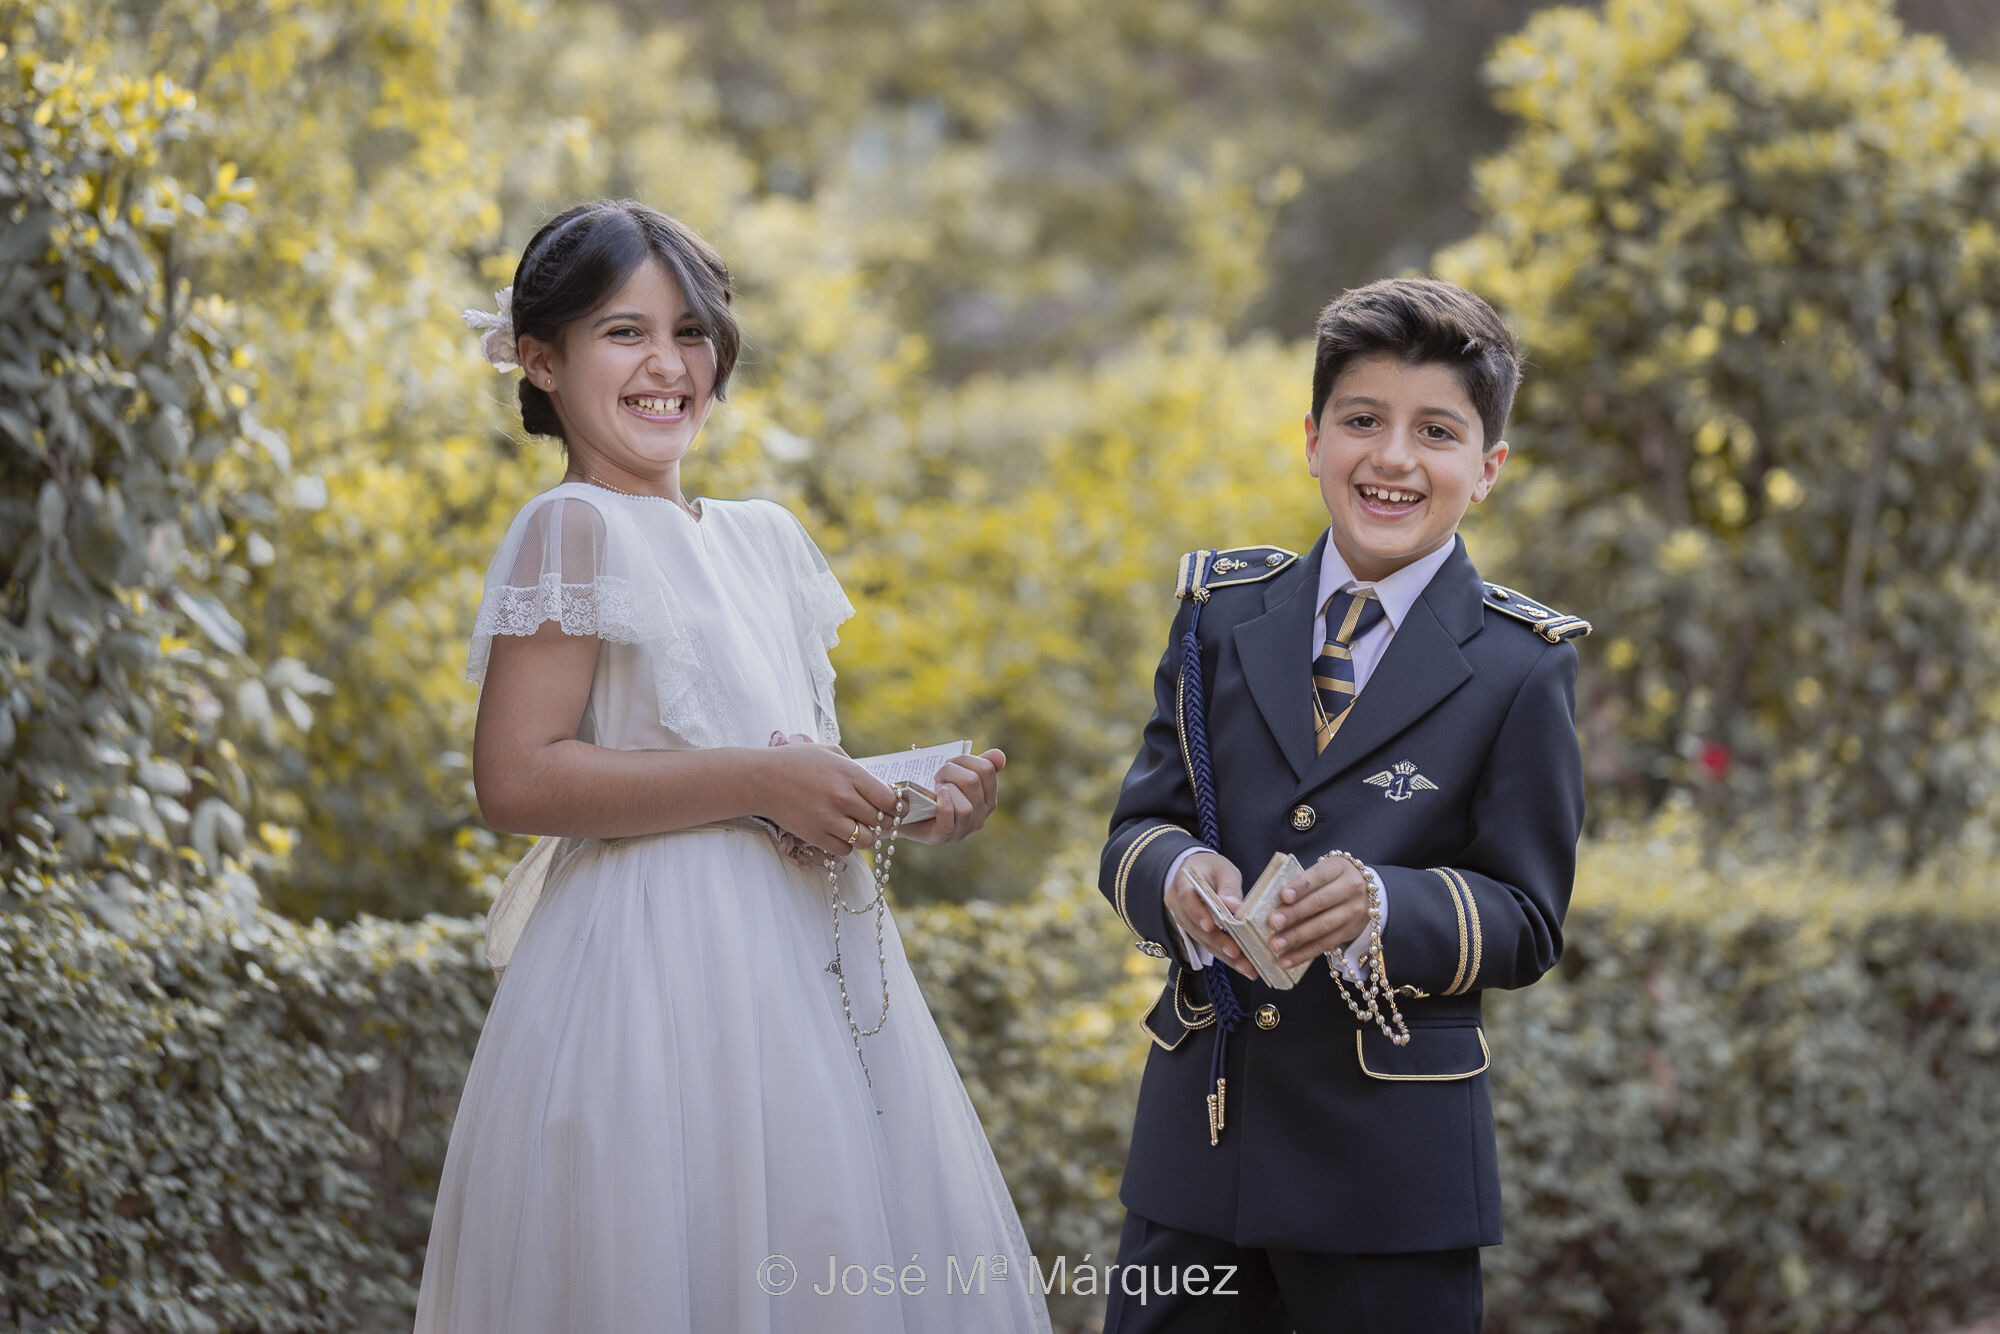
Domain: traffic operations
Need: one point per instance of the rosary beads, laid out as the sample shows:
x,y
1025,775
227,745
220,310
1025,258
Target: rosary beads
x,y
1375,988
885,853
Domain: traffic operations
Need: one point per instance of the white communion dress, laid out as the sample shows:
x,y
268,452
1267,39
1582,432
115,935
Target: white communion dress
x,y
665,1126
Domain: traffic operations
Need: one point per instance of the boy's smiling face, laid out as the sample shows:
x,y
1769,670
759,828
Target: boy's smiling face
x,y
1400,454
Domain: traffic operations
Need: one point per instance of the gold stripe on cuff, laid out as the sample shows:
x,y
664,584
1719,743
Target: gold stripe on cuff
x,y
1478,937
1464,941
1125,863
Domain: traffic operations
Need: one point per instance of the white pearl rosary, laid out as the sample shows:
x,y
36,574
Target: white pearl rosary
x,y
1375,989
885,845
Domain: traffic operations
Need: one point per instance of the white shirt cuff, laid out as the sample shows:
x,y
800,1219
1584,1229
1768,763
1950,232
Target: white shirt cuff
x,y
1190,951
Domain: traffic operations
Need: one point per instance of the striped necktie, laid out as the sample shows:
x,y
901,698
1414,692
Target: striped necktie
x,y
1349,615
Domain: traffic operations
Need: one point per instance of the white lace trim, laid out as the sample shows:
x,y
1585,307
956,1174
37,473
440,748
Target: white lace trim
x,y
691,697
607,607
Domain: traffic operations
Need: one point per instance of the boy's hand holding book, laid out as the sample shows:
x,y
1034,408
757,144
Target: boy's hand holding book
x,y
1190,908
1322,908
1272,933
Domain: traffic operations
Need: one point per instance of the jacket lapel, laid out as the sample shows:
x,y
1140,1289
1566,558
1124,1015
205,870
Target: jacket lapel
x,y
1422,666
1274,652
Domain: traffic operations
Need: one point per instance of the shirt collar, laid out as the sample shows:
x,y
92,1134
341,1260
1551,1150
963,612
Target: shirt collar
x,y
1398,592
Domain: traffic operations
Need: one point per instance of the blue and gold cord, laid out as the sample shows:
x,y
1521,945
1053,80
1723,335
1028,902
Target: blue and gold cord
x,y
1215,977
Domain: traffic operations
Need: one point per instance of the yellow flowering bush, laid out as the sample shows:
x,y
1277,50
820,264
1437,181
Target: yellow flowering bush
x,y
1747,245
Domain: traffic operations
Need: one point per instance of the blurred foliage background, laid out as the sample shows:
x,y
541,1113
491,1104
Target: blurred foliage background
x,y
1026,286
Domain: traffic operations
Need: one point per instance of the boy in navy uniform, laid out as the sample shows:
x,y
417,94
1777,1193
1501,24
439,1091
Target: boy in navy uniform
x,y
1407,731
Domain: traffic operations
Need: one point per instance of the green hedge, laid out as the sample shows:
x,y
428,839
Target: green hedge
x,y
1752,1100
218,1124
1745,1102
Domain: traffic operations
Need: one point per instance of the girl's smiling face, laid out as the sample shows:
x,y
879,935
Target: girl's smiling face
x,y
632,380
1400,455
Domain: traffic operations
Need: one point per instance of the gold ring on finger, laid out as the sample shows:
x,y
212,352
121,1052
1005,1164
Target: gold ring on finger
x,y
854,837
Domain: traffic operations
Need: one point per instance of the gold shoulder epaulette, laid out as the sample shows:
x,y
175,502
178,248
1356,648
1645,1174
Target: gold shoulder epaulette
x,y
1209,569
1547,622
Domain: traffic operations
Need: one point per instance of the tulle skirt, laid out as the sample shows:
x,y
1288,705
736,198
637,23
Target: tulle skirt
x,y
665,1127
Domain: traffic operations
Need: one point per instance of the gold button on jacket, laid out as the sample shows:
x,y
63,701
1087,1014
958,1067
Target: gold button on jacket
x,y
1267,1017
1303,817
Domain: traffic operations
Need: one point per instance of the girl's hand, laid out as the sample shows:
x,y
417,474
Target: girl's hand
x,y
968,790
822,798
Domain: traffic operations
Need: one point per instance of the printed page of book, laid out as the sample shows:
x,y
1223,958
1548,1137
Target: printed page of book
x,y
914,766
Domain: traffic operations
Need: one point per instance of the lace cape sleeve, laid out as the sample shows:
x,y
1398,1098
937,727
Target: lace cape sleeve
x,y
565,560
551,566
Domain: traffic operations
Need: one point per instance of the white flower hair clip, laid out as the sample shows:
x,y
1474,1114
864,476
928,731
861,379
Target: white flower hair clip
x,y
496,332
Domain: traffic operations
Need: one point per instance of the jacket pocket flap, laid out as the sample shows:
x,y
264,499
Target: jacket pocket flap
x,y
1161,1024
1431,1054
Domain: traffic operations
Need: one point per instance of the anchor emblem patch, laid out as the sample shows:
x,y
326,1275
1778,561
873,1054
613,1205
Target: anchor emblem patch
x,y
1401,781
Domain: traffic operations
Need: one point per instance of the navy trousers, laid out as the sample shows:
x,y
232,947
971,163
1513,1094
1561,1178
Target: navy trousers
x,y
1273,1291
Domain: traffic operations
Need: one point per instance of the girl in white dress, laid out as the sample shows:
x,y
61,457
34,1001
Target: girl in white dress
x,y
669,1124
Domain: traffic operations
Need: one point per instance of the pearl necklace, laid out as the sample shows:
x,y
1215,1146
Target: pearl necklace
x,y
685,508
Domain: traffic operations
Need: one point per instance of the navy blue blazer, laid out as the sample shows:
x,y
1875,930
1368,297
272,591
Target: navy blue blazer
x,y
1335,1139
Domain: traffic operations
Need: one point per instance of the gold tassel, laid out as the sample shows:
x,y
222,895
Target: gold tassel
x,y
1214,1125
1221,1104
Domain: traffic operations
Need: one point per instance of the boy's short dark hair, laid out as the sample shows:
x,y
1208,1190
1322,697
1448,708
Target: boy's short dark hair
x,y
1422,320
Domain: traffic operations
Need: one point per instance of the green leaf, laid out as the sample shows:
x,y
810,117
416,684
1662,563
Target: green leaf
x,y
213,620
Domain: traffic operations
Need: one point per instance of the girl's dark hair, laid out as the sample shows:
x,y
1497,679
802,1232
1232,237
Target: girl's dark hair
x,y
1419,320
584,254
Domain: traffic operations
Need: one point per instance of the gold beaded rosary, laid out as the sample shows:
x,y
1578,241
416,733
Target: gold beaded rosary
x,y
885,853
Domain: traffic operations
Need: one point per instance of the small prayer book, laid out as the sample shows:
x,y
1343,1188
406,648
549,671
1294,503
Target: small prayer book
x,y
1251,928
913,773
